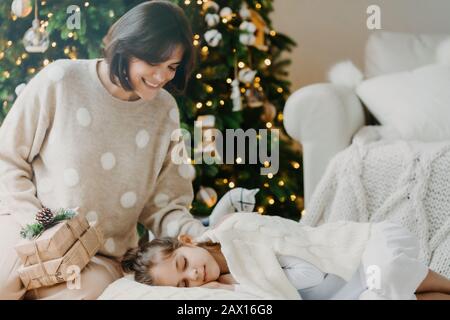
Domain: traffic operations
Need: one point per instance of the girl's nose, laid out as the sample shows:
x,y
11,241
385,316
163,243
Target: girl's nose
x,y
194,274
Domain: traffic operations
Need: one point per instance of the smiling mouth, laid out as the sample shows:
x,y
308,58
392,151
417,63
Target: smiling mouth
x,y
150,85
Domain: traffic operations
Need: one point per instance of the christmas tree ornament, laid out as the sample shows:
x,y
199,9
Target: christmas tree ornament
x,y
20,88
21,8
244,12
270,112
247,75
36,39
260,32
247,36
213,37
45,217
247,26
226,13
207,196
207,146
254,98
236,95
211,6
212,19
235,200
247,39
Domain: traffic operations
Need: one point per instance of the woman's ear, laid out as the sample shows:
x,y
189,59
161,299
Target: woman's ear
x,y
186,239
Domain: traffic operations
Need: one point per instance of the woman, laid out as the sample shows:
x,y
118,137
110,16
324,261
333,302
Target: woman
x,y
96,134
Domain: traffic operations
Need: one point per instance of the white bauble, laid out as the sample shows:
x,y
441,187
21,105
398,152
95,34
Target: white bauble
x,y
226,13
213,37
36,39
248,27
212,19
247,39
21,8
247,75
245,12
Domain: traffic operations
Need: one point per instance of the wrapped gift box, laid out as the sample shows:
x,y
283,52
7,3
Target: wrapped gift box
x,y
52,243
59,270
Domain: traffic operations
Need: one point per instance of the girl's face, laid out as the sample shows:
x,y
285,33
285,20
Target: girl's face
x,y
188,266
148,79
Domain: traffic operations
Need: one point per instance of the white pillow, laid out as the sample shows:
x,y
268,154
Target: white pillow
x,y
127,289
415,103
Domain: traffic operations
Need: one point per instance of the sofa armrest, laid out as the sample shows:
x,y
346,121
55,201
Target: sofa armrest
x,y
323,118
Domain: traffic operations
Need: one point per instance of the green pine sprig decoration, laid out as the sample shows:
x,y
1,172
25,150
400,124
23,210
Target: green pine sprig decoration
x,y
31,231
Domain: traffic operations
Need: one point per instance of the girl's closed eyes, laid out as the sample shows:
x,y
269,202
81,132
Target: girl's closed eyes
x,y
176,263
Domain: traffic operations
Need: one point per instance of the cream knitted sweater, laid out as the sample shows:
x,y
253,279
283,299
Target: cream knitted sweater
x,y
67,142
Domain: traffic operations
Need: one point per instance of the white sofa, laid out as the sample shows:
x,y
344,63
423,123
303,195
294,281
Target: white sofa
x,y
324,117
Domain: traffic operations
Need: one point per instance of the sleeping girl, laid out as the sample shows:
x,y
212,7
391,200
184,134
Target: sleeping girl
x,y
276,258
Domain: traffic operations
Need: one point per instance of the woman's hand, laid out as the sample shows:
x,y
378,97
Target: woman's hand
x,y
218,285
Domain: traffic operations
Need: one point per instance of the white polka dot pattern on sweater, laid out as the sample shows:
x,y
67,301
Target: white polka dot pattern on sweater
x,y
128,199
71,177
108,161
142,139
84,117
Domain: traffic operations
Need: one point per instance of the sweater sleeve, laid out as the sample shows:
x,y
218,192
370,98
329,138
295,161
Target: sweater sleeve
x,y
167,211
21,136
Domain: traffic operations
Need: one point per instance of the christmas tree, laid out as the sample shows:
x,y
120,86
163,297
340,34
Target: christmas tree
x,y
240,83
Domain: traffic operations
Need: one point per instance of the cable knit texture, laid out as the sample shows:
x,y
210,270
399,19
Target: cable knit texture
x,y
379,178
67,142
251,243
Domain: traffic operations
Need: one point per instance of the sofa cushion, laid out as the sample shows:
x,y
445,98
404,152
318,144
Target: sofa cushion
x,y
415,103
390,52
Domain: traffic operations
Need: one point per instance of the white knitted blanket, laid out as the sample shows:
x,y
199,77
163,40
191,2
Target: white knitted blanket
x,y
378,178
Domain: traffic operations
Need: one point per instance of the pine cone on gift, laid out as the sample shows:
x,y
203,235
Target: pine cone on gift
x,y
45,217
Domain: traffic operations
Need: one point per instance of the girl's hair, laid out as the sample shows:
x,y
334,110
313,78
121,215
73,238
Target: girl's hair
x,y
150,32
142,259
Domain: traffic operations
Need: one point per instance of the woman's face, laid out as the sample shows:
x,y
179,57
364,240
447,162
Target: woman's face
x,y
188,266
148,79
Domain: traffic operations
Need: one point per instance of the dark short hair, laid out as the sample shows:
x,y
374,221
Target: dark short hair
x,y
150,32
